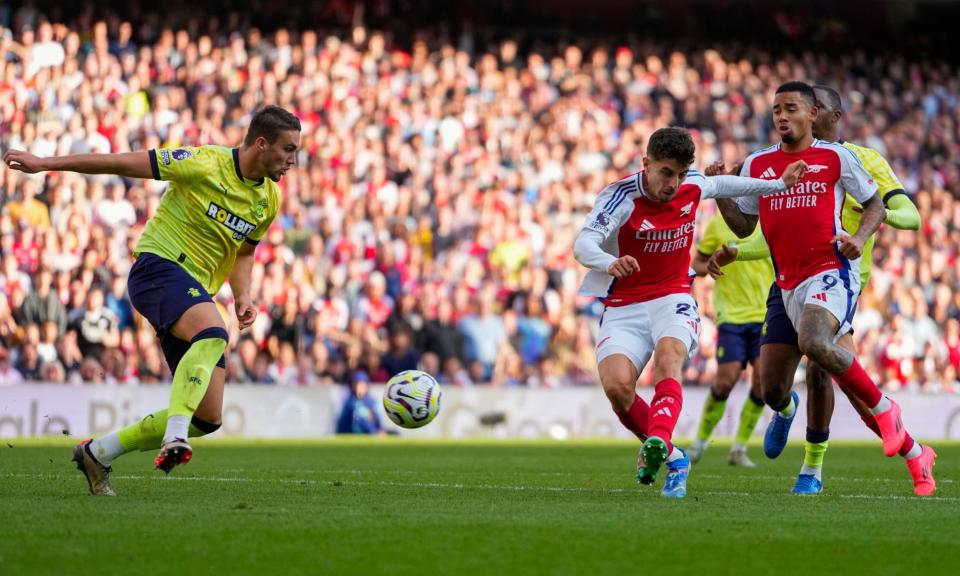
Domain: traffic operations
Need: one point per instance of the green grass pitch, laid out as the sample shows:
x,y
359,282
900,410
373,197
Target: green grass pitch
x,y
401,507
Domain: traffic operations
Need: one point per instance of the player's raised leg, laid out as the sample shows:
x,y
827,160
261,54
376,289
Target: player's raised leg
x,y
816,329
149,433
919,459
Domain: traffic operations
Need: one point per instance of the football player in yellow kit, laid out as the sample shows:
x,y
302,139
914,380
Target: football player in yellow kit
x,y
219,204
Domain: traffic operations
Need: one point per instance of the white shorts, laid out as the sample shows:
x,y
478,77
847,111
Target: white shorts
x,y
835,290
635,329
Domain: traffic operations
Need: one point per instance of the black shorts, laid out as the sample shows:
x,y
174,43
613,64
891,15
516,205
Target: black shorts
x,y
738,342
777,328
162,291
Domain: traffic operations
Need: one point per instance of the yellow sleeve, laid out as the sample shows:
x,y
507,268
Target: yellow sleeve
x,y
755,248
878,167
711,240
901,212
181,165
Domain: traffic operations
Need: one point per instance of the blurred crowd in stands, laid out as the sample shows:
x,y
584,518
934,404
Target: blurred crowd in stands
x,y
441,183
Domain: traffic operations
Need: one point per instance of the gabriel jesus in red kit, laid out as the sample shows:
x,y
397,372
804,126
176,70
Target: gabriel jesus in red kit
x,y
636,243
817,263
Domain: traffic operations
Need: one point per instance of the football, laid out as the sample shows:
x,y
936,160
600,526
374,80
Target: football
x,y
412,399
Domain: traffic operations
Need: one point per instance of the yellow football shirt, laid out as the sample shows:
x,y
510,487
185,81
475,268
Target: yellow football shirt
x,y
878,168
208,210
740,295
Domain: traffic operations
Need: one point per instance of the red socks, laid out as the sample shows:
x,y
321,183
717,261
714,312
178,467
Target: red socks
x,y
856,381
635,419
872,424
659,419
665,410
908,442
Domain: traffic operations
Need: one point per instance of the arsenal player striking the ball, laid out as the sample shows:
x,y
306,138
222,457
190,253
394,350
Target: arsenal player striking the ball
x,y
636,243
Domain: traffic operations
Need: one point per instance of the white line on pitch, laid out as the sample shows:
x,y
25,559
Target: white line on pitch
x,y
455,486
575,474
827,476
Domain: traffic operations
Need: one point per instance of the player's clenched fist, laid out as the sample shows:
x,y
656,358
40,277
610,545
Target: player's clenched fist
x,y
623,266
794,173
246,314
714,169
719,169
725,255
23,161
850,246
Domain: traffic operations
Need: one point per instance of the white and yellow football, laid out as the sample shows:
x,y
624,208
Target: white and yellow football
x,y
412,399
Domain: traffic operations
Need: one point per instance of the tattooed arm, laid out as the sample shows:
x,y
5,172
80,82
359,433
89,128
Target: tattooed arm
x,y
741,223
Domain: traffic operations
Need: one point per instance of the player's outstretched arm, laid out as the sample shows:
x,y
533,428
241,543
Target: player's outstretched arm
x,y
725,187
130,164
729,186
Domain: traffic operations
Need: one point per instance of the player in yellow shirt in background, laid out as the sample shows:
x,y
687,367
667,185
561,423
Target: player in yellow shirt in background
x,y
219,204
739,300
902,214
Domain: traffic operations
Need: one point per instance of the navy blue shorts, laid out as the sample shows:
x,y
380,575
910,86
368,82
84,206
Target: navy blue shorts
x,y
162,291
777,328
738,342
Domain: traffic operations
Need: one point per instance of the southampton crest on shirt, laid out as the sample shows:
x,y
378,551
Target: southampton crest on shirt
x,y
258,211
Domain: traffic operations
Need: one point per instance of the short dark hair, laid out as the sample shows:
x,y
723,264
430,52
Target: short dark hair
x,y
803,88
269,122
673,143
833,97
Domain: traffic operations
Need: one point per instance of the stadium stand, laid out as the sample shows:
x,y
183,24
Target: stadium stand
x,y
445,172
